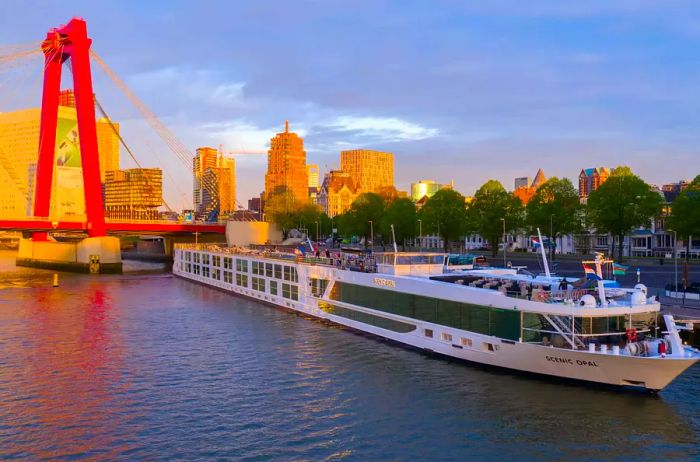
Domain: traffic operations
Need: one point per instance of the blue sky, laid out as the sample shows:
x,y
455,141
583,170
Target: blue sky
x,y
463,91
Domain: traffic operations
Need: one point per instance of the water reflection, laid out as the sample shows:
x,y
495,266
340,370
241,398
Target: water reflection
x,y
147,366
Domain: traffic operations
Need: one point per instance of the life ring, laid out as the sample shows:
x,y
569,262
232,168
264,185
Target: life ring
x,y
632,335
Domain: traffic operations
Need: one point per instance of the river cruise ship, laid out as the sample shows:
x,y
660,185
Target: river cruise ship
x,y
494,316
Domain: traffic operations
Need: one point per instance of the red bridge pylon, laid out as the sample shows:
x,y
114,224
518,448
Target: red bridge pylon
x,y
69,41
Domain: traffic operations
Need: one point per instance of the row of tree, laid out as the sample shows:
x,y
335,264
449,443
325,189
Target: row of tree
x,y
619,205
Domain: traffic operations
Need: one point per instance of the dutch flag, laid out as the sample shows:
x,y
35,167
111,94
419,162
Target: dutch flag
x,y
590,273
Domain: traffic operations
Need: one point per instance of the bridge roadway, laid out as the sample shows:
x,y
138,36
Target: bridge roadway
x,y
153,227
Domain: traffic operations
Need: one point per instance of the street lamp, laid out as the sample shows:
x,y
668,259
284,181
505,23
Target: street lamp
x,y
420,233
675,258
317,232
371,232
551,233
504,241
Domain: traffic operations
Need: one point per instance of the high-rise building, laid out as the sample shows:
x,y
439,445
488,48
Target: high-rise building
x,y
590,179
522,182
214,182
371,170
19,152
338,191
107,145
286,167
426,188
133,194
525,193
314,178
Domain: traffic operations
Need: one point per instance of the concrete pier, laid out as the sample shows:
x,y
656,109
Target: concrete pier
x,y
97,255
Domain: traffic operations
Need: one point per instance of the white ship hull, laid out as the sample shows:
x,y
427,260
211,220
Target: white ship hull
x,y
652,373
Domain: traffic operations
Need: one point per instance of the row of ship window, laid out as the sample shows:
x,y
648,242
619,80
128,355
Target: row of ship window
x,y
289,291
270,270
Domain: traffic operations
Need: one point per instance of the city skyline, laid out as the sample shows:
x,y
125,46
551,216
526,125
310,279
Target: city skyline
x,y
499,80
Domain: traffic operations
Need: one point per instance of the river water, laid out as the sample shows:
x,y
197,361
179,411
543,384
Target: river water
x,y
145,366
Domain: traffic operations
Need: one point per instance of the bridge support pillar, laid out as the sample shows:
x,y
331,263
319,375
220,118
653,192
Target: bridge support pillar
x,y
97,255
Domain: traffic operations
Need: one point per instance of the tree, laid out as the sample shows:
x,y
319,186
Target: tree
x,y
280,208
685,213
306,216
555,204
492,205
365,215
402,214
445,214
623,202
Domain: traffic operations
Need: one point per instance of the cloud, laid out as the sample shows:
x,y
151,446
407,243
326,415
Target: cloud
x,y
386,129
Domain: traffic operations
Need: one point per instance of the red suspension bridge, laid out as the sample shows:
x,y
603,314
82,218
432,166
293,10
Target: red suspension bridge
x,y
70,44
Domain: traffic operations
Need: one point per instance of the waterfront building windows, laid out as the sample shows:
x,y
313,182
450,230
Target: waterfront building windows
x,y
273,287
474,318
290,291
258,284
205,258
228,263
241,265
268,270
205,271
278,271
216,260
242,280
228,277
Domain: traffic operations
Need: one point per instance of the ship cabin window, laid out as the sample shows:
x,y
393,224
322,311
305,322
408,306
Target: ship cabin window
x,y
241,265
259,284
188,267
216,274
290,291
278,271
446,337
428,332
467,342
490,347
196,269
196,258
216,260
498,322
228,277
258,267
290,274
228,263
188,256
242,280
273,287
205,271
205,258
318,286
268,270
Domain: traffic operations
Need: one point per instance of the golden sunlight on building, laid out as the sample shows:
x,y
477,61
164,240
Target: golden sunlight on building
x,y
133,194
337,193
372,170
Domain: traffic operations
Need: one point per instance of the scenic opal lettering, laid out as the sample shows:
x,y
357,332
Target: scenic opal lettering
x,y
317,231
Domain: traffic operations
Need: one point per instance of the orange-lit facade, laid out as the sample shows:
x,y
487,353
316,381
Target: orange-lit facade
x,y
590,179
214,182
372,170
286,166
133,194
525,193
337,193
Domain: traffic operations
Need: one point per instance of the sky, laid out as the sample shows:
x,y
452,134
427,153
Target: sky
x,y
458,91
